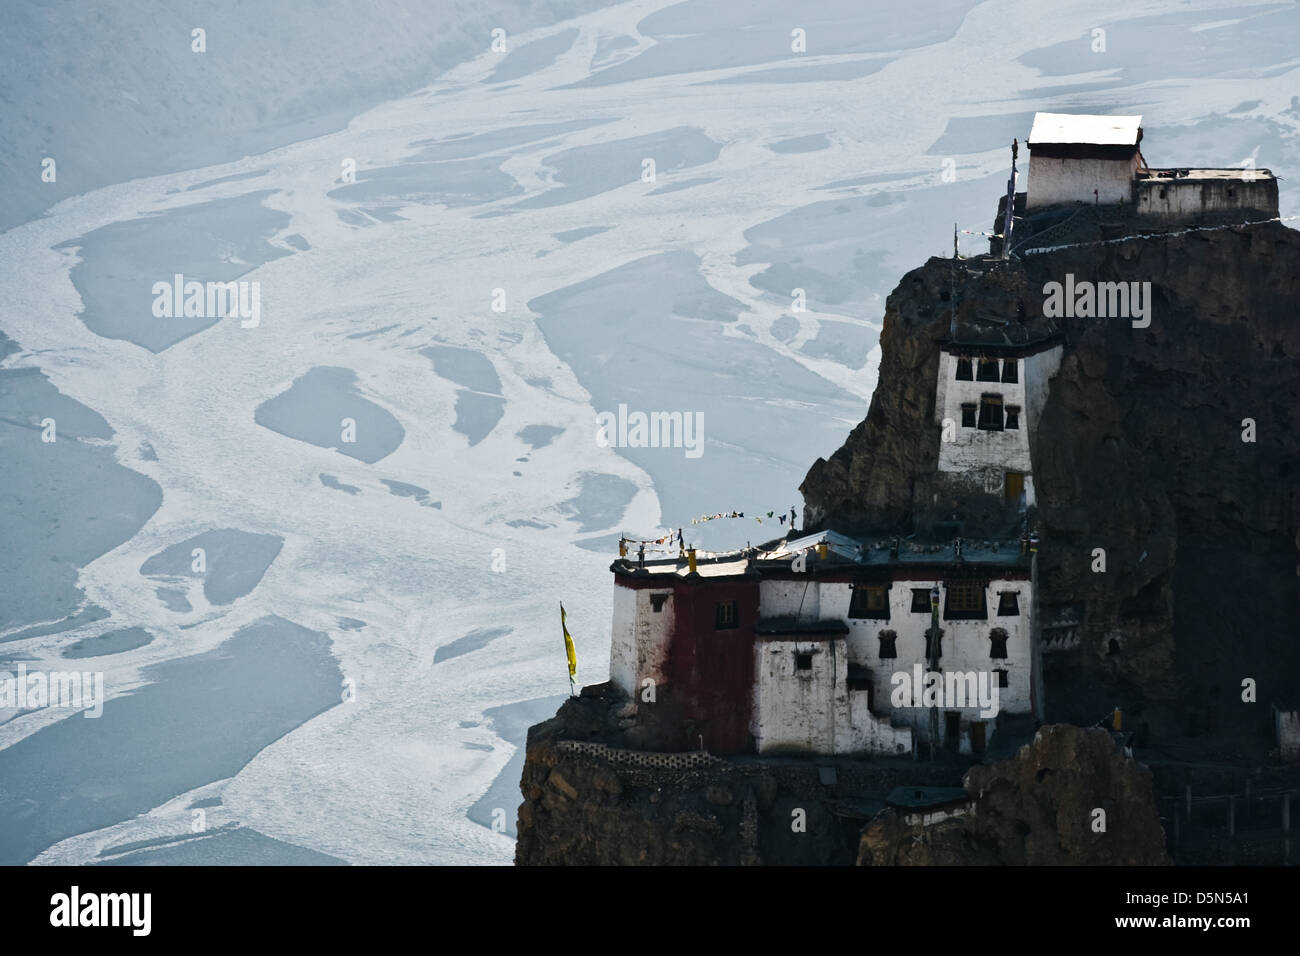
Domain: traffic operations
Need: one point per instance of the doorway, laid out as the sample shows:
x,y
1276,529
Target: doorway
x,y
1014,485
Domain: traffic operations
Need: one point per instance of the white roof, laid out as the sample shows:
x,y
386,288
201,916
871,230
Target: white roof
x,y
1065,129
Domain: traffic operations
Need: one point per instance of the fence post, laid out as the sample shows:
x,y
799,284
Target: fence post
x,y
1189,803
1232,816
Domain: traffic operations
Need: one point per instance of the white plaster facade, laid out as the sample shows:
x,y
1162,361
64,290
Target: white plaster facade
x,y
811,708
991,453
803,697
965,646
1204,192
639,636
1053,180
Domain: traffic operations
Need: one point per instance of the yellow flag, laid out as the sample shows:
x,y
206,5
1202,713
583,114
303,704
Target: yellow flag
x,y
568,648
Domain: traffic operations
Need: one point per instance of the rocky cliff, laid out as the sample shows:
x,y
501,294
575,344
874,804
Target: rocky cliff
x,y
1139,451
1069,797
589,803
1171,448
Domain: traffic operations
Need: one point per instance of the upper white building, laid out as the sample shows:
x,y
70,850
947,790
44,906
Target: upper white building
x,y
1083,158
1097,160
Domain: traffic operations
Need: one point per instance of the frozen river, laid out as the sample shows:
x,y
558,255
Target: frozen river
x,y
318,558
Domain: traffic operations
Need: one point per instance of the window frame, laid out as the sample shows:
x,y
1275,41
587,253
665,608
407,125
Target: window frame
x,y
990,401
976,611
984,363
969,415
859,612
964,363
723,621
1011,371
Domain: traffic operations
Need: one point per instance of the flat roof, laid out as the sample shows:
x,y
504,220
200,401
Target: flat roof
x,y
1070,129
1184,174
844,553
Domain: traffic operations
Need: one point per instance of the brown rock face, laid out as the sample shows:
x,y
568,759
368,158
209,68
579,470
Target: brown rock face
x,y
1139,451
585,806
1038,808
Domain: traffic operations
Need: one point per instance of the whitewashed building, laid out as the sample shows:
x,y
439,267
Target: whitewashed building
x,y
1097,160
988,397
822,645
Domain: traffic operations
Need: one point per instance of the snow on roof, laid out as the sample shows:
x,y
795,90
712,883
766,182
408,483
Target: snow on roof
x,y
1067,129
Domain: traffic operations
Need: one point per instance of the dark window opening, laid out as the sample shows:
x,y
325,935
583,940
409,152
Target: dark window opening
x,y
921,600
1013,417
657,602
952,729
1002,678
888,647
998,643
1011,370
728,616
1008,604
803,662
968,416
965,602
988,371
859,678
991,412
1112,648
870,601
964,370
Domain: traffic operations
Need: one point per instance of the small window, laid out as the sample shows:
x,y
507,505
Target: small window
x,y
933,643
968,416
998,643
965,602
727,616
1011,370
964,370
988,371
1002,677
860,679
888,644
657,602
991,412
921,600
1008,604
1013,417
870,600
803,662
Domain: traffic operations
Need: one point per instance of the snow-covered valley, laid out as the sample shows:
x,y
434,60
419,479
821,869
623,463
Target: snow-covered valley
x,y
394,475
